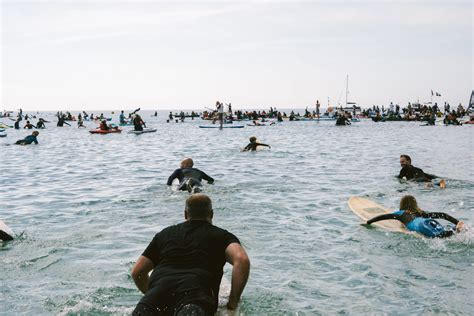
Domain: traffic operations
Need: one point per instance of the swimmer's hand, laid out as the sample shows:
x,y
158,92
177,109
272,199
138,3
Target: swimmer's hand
x,y
460,226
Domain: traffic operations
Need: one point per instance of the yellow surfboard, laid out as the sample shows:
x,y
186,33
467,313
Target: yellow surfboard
x,y
367,209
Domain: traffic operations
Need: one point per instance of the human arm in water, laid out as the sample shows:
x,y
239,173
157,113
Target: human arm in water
x,y
237,257
384,217
174,175
253,146
140,273
209,179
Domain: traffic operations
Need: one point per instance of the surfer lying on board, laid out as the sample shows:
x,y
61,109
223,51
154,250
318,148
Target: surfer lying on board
x,y
187,262
29,139
252,146
189,178
417,220
410,172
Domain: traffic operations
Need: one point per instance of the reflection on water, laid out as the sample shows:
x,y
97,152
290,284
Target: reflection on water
x,y
87,206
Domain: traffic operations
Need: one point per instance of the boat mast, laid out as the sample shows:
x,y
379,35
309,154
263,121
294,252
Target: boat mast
x,y
347,87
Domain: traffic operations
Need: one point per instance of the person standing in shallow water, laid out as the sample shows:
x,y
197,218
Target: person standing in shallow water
x,y
187,261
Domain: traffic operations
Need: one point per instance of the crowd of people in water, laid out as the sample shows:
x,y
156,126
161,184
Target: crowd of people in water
x,y
186,260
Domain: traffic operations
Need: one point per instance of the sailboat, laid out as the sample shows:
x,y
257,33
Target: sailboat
x,y
351,106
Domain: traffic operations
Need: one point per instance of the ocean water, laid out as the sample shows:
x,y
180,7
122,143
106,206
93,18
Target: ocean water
x,y
84,207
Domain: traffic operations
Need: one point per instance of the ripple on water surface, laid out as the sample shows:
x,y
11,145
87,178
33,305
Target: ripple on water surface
x,y
85,207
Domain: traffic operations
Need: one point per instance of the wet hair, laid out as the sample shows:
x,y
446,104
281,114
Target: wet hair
x,y
199,206
187,163
406,157
253,139
35,133
408,204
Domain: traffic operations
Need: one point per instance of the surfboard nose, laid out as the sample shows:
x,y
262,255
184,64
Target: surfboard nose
x,y
6,233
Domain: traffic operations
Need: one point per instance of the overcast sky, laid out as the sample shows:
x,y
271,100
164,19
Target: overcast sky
x,y
255,54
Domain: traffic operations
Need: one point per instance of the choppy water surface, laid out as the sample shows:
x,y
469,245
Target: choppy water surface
x,y
86,206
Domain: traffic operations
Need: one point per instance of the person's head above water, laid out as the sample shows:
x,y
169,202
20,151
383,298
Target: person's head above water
x,y
409,204
198,207
35,133
405,160
253,139
187,163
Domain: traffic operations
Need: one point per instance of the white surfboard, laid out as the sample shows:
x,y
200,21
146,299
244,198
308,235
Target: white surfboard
x,y
5,232
367,209
224,292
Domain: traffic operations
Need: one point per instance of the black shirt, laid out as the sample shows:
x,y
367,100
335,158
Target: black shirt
x,y
188,261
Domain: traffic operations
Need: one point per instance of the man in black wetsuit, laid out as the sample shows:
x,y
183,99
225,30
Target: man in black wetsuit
x,y
189,178
410,172
252,146
187,261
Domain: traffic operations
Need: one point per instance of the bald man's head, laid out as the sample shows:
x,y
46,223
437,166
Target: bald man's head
x,y
187,163
198,206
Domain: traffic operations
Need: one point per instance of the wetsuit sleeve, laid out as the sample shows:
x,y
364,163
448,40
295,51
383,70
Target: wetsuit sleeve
x,y
442,216
259,144
207,178
384,217
173,176
35,141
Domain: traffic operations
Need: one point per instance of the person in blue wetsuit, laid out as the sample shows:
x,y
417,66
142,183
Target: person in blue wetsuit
x,y
189,178
29,139
420,221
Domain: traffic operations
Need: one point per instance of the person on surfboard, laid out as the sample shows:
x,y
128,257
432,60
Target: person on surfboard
x,y
189,178
29,139
138,123
252,146
410,172
187,262
417,220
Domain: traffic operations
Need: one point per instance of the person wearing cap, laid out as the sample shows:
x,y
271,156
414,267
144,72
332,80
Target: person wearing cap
x,y
187,261
29,139
189,178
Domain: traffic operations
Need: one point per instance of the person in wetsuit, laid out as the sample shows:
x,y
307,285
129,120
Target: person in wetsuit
x,y
28,125
252,146
40,123
122,118
420,221
187,262
61,121
29,139
189,178
410,172
138,123
342,120
17,123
